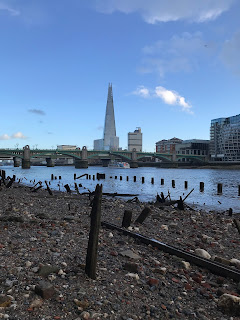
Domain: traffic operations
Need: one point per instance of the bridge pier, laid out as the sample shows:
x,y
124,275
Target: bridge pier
x,y
26,158
133,164
81,164
16,162
50,162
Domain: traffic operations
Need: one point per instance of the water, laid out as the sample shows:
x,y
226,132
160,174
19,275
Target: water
x,y
147,191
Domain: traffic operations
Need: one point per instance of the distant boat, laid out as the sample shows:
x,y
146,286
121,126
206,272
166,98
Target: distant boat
x,y
119,165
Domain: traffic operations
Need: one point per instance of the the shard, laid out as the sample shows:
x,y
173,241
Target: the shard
x,y
110,141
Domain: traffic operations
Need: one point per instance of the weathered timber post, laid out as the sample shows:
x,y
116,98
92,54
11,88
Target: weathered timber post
x,y
143,215
48,189
239,191
127,218
60,178
83,162
173,183
26,157
76,188
201,186
219,188
93,177
10,183
134,179
50,162
180,205
115,177
162,182
230,212
142,179
152,180
74,176
185,184
52,176
133,162
120,177
127,178
89,177
16,162
66,186
91,258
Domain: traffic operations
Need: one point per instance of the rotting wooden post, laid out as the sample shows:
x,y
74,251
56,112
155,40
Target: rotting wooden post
x,y
52,176
201,186
162,197
127,178
173,183
115,177
143,215
185,184
67,188
60,177
162,182
14,178
86,176
89,177
127,218
93,177
230,212
74,176
134,179
219,188
180,205
55,178
239,190
152,180
143,179
91,258
10,183
76,188
237,224
48,189
120,177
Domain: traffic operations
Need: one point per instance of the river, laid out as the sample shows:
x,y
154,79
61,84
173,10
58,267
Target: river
x,y
209,199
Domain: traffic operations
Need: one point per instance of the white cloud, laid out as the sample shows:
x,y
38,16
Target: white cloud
x,y
17,135
5,137
154,11
10,10
230,53
173,98
182,53
142,92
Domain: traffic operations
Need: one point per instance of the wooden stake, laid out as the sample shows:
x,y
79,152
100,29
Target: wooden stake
x,y
48,189
127,218
143,215
91,258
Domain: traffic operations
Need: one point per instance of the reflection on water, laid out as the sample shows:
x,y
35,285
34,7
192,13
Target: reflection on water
x,y
147,191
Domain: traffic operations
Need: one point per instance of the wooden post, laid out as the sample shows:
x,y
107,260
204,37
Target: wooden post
x,y
89,177
143,215
115,177
91,258
127,218
219,188
76,188
60,177
185,184
93,177
127,178
180,205
48,189
134,179
10,183
143,180
201,186
52,176
67,188
239,191
120,177
152,181
162,182
173,183
230,212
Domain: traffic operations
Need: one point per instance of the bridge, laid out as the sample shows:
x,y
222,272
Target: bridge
x,y
81,156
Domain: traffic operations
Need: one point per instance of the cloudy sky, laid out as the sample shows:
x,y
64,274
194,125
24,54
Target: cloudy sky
x,y
174,65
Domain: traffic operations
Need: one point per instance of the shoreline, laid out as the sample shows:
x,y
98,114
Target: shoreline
x,y
40,230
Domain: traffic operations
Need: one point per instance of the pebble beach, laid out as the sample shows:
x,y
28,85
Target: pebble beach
x,y
43,246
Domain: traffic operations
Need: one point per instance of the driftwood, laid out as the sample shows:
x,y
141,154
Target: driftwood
x,y
48,189
66,186
85,174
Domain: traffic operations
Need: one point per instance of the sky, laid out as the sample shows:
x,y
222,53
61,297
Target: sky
x,y
174,66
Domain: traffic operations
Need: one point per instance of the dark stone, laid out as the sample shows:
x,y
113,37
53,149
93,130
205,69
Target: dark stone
x,y
45,290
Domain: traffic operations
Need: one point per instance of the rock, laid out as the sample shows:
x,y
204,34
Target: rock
x,y
130,254
44,271
131,267
186,265
222,260
235,263
85,315
153,282
84,304
164,227
5,301
229,304
202,253
44,289
36,303
133,275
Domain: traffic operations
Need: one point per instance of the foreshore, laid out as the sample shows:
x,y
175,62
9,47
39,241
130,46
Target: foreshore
x,y
45,237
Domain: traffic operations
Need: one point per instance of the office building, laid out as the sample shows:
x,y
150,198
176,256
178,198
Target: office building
x,y
196,147
167,146
135,140
225,139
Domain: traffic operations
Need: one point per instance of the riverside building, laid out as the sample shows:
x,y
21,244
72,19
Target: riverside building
x,y
110,141
225,139
135,140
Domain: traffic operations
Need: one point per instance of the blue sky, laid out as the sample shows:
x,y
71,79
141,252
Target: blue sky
x,y
174,66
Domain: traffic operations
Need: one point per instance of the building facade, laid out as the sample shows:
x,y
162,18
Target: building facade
x,y
167,146
135,140
196,147
110,141
225,139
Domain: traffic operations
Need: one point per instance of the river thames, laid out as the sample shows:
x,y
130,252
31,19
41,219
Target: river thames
x,y
209,199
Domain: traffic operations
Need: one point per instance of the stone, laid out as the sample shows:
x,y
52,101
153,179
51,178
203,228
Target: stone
x,y
85,315
222,260
84,304
235,263
202,253
45,271
153,282
133,275
5,301
229,304
36,303
131,267
186,265
130,254
44,289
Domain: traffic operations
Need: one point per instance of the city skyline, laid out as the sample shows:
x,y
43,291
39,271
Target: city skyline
x,y
173,68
